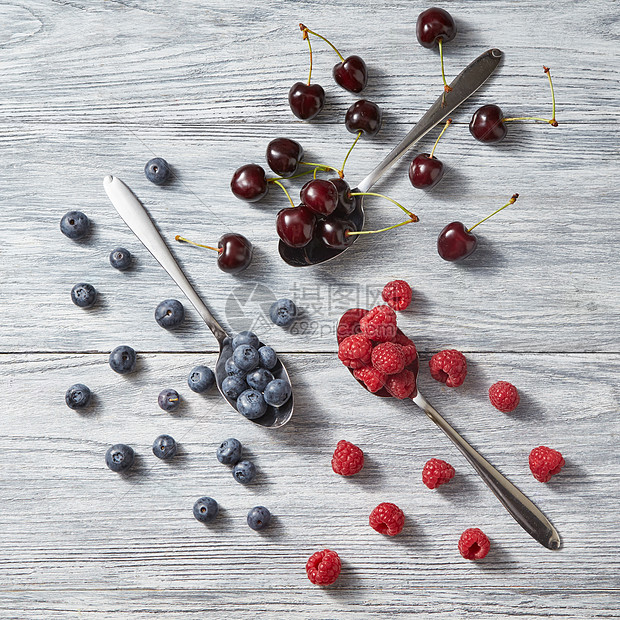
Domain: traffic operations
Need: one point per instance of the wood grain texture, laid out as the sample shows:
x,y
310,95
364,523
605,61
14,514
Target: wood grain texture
x,y
92,88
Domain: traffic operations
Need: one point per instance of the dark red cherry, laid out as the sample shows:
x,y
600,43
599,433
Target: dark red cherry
x,y
364,116
487,124
425,171
455,242
351,74
434,24
284,155
333,233
319,195
235,253
306,100
249,183
346,202
295,226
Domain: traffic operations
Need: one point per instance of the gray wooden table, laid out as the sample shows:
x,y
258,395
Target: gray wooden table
x,y
97,87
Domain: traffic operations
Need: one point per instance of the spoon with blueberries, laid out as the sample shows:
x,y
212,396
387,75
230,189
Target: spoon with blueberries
x,y
248,373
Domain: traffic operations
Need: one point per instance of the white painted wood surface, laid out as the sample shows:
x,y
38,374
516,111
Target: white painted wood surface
x,y
91,88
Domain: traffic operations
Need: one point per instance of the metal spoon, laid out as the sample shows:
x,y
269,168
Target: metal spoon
x,y
137,218
522,509
463,86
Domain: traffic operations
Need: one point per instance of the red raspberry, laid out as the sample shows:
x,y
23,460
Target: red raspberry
x,y
371,377
387,519
379,324
474,544
401,385
397,294
436,472
388,358
348,459
349,323
355,351
323,567
449,367
545,463
504,396
410,353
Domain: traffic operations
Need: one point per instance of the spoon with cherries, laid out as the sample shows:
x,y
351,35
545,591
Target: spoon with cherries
x,y
136,217
522,509
363,118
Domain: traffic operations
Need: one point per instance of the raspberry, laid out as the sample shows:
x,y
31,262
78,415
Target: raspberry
x,y
349,323
371,377
348,459
397,294
545,463
401,385
379,324
355,351
504,396
410,353
436,472
387,519
388,358
323,567
449,367
474,544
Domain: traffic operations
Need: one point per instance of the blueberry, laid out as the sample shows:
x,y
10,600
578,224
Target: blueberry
x,y
267,357
229,451
244,472
164,447
259,378
157,170
277,392
122,360
119,457
251,404
200,379
83,295
168,399
245,338
283,312
232,370
233,387
77,396
206,509
169,313
259,518
74,225
245,357
120,259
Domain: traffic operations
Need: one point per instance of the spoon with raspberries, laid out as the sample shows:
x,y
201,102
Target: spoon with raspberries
x,y
385,362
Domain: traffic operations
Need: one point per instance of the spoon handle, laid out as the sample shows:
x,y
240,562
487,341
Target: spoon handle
x,y
137,218
464,85
523,510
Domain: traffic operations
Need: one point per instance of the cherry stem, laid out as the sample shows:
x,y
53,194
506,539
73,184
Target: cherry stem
x,y
200,245
295,176
309,48
307,31
284,189
322,167
446,88
551,120
413,218
448,123
372,232
341,171
511,201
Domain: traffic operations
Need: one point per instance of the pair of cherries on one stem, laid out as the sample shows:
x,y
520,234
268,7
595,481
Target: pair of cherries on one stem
x,y
307,100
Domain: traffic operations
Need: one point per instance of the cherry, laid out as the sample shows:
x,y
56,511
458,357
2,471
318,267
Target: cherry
x,y
283,156
234,252
487,124
306,100
363,116
320,196
346,202
334,233
425,170
455,242
433,25
295,225
351,74
249,183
